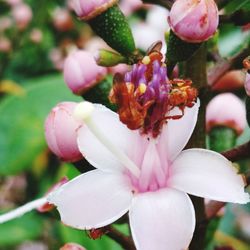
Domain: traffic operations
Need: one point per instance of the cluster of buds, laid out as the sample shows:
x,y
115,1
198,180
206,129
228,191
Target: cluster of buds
x,y
145,96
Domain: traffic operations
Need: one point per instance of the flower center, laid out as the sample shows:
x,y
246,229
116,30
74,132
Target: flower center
x,y
145,95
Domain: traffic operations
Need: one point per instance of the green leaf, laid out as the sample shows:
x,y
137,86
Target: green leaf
x,y
27,227
22,122
231,40
235,5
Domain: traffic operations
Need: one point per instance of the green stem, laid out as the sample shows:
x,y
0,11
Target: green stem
x,y
195,69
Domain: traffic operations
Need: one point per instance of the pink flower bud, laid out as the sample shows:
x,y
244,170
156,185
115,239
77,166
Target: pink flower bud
x,y
129,6
5,23
87,10
5,45
194,20
13,2
226,110
81,71
36,36
72,246
62,19
247,84
22,15
60,132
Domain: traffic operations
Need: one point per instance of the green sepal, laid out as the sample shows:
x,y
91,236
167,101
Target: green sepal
x,y
222,138
248,110
114,29
109,58
179,50
100,93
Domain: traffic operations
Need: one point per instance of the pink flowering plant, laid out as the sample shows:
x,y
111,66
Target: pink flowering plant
x,y
131,141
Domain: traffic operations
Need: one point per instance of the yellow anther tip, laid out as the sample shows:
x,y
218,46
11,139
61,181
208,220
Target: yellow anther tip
x,y
83,111
146,60
142,88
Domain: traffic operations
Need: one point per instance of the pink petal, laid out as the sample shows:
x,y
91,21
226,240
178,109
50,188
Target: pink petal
x,y
176,133
162,220
93,200
116,132
207,174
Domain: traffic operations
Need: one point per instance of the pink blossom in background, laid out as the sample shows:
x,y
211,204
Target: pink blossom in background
x,y
5,44
247,84
226,110
147,177
22,15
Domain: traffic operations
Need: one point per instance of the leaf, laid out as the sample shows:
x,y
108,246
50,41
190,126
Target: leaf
x,y
27,227
231,40
235,5
22,122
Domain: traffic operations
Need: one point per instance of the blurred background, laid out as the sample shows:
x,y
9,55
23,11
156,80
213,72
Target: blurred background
x,y
35,39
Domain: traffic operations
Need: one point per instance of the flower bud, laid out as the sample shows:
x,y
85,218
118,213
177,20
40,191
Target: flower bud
x,y
129,6
81,71
226,110
87,10
194,21
60,132
5,45
62,19
36,35
22,15
247,84
72,246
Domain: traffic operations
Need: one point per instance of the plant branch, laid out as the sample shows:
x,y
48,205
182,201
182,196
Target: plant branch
x,y
195,69
238,153
125,241
223,66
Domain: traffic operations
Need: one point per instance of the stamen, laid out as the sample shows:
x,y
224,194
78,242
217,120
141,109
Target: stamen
x,y
83,113
22,210
142,88
146,60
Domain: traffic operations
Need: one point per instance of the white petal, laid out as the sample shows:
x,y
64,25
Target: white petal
x,y
162,220
115,131
93,200
176,133
207,174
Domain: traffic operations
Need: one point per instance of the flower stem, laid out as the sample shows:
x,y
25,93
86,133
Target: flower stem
x,y
22,210
195,69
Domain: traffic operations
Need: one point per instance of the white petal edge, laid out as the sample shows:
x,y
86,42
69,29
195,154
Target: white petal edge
x,y
207,174
114,130
162,220
176,133
92,200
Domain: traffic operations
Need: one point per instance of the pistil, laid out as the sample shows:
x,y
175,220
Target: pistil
x,y
83,113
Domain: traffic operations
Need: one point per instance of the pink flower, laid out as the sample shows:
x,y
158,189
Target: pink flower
x,y
86,9
149,177
247,84
226,110
22,15
81,71
60,132
62,19
194,20
72,246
